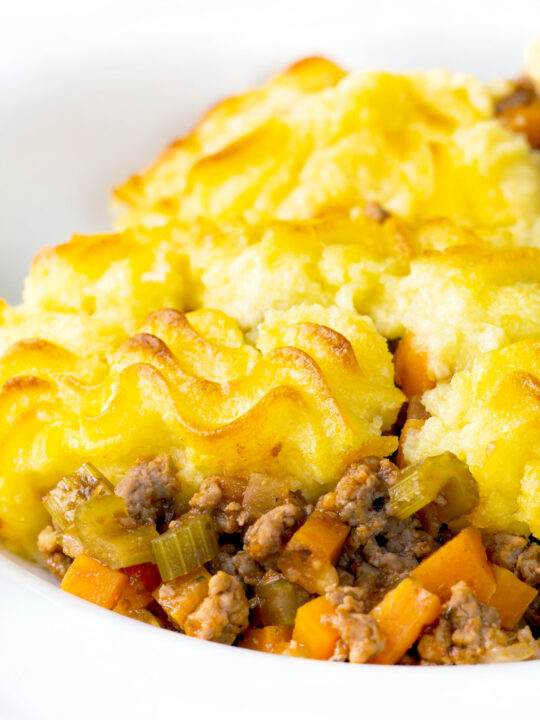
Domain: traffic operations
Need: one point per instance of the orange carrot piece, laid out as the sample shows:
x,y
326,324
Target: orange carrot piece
x,y
411,367
136,595
463,558
309,556
270,639
89,579
180,597
316,640
402,615
511,598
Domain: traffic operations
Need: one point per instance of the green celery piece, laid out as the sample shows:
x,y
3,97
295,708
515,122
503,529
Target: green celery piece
x,y
441,475
108,534
279,601
185,547
62,501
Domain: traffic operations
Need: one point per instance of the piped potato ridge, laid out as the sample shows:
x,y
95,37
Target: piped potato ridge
x,y
304,408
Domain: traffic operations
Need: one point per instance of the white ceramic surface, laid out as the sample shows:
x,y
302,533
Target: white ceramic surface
x,y
85,98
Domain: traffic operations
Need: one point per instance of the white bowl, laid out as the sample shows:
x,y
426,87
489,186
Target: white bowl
x,y
72,124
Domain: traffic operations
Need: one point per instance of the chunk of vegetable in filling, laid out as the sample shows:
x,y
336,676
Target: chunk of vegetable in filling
x,y
179,597
271,639
317,638
309,556
462,559
279,601
402,615
107,532
511,597
62,501
443,478
91,580
190,544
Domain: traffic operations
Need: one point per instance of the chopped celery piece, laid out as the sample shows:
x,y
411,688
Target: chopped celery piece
x,y
441,475
108,534
279,600
185,547
62,501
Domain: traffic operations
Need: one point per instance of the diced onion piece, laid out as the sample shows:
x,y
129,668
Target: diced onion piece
x,y
264,493
62,501
420,484
186,547
110,535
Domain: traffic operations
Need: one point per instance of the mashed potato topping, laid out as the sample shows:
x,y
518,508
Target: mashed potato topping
x,y
464,301
423,145
305,407
238,321
489,415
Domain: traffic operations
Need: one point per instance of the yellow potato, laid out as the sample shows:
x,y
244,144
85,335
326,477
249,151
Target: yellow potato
x,y
489,416
464,301
424,145
190,386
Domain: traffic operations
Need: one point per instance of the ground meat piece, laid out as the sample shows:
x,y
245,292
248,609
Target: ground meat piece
x,y
532,616
398,549
373,583
528,564
224,560
265,539
469,632
149,489
514,553
381,550
57,562
229,515
346,578
250,572
360,637
224,612
354,597
504,549
360,500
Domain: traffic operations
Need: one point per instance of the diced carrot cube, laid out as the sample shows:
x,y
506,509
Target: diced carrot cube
x,y
180,597
89,579
316,639
511,598
309,556
402,615
411,367
462,559
270,639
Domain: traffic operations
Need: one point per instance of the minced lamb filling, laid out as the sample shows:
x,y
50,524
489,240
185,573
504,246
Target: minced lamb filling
x,y
344,580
